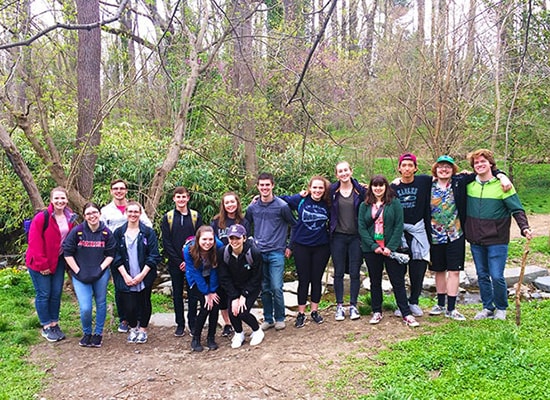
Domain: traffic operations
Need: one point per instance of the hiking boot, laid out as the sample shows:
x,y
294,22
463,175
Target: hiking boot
x,y
132,336
86,340
416,311
141,337
256,337
123,327
227,330
300,320
353,313
58,332
96,340
437,310
238,339
280,325
315,316
49,334
180,331
500,314
484,314
211,343
196,344
410,320
376,318
455,315
267,325
340,314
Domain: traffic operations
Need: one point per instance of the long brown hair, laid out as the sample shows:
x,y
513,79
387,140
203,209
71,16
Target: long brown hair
x,y
378,180
222,215
326,184
195,249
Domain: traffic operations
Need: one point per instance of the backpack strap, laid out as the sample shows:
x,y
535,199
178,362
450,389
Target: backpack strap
x,y
248,255
170,219
194,218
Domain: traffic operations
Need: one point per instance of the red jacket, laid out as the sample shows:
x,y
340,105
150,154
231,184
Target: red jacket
x,y
45,245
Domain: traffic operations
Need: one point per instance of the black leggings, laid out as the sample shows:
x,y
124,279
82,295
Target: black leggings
x,y
311,262
245,316
136,307
204,313
417,270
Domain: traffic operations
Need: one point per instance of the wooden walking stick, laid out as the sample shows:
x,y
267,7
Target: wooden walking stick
x,y
521,273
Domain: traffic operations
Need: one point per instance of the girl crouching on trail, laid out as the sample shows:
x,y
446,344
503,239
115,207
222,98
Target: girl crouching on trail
x,y
202,276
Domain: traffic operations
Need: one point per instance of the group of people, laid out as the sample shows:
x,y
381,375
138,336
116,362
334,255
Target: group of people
x,y
404,226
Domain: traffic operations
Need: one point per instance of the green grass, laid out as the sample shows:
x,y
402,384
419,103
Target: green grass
x,y
469,360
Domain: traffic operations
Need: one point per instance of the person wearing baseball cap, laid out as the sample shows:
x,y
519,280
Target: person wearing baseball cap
x,y
240,271
413,192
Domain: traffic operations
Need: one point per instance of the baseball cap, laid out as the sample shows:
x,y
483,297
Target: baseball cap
x,y
407,156
236,230
446,158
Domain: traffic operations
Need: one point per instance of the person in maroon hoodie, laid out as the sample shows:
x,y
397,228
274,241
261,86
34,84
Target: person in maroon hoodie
x,y
45,261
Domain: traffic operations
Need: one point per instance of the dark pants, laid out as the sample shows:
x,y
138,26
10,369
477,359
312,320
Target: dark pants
x,y
311,262
396,273
417,270
178,286
119,307
346,250
204,313
136,306
245,316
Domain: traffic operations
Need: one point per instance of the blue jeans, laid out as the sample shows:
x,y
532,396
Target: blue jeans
x,y
490,262
346,249
273,269
85,293
48,290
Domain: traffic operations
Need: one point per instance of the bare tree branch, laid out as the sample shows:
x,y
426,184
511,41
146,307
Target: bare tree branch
x,y
60,25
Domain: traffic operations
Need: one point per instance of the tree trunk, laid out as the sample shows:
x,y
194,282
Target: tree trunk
x,y
88,134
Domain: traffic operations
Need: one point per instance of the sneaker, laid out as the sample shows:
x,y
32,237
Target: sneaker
x,y
211,343
196,344
397,313
316,317
267,325
227,330
484,314
300,320
500,314
376,318
180,331
86,340
416,311
353,313
340,313
141,337
455,315
238,339
411,321
49,334
58,332
132,336
256,337
280,325
96,340
437,310
123,327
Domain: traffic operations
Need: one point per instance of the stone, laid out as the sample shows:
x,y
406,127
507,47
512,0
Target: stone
x,y
532,272
291,287
291,300
542,283
163,319
386,285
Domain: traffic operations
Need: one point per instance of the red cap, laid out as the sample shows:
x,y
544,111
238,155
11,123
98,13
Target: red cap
x,y
407,156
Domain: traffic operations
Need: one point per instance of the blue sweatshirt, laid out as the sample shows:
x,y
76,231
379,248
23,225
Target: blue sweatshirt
x,y
313,216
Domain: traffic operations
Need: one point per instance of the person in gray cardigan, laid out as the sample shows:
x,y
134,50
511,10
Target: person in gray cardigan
x,y
380,228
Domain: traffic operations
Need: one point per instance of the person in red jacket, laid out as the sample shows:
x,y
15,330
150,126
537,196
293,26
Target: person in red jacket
x,y
45,261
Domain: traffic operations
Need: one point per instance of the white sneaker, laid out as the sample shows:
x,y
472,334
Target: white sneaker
x,y
280,325
353,313
411,321
484,314
257,337
500,314
238,339
376,318
397,313
455,315
132,336
416,311
340,313
437,310
267,325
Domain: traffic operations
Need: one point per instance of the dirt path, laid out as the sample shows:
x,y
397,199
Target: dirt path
x,y
293,364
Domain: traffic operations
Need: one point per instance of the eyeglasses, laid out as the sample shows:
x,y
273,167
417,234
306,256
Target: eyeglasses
x,y
118,188
444,166
90,213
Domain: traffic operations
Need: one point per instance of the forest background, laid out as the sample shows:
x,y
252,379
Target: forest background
x,y
207,94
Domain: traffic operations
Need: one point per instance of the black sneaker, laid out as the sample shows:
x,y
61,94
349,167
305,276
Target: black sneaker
x,y
300,320
180,331
58,332
315,316
196,344
86,340
227,330
211,343
96,340
49,334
